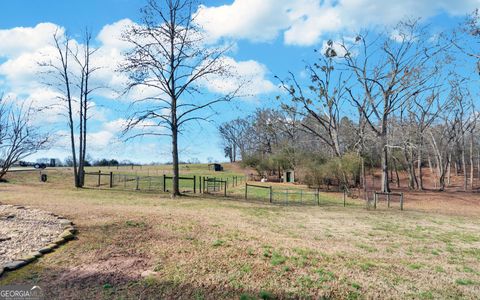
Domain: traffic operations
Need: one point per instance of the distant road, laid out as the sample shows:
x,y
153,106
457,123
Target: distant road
x,y
23,169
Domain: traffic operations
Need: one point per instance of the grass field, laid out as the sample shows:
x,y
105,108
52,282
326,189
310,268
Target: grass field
x,y
134,245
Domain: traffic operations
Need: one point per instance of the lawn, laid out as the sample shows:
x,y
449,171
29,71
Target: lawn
x,y
134,245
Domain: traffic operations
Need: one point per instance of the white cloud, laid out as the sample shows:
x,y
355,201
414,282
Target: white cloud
x,y
111,35
304,22
241,19
17,41
251,72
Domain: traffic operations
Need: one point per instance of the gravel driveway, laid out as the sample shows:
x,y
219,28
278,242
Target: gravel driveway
x,y
25,230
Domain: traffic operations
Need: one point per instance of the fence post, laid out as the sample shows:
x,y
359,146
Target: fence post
x,y
375,200
246,190
318,196
149,183
344,197
271,200
137,188
388,200
301,196
194,184
225,188
164,183
111,179
99,175
401,201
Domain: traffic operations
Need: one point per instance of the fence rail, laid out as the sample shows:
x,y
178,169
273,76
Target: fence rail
x,y
376,194
226,187
194,184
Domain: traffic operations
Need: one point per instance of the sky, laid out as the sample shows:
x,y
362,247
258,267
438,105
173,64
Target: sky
x,y
270,38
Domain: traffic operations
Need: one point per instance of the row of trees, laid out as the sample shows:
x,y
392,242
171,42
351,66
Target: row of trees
x,y
396,101
392,98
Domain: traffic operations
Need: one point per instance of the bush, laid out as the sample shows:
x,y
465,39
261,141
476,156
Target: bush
x,y
340,171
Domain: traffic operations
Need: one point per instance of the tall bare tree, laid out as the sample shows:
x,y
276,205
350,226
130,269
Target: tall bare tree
x,y
70,73
171,58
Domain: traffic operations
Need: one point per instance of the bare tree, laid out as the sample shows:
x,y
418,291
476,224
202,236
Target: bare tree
x,y
390,69
18,137
320,103
234,136
64,76
170,57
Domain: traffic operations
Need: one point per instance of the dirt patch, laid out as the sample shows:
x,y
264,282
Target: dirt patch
x,y
114,270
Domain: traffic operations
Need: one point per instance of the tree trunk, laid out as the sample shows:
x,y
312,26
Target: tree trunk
x,y
72,141
364,176
432,171
449,169
464,168
420,173
472,163
385,183
234,159
176,173
408,155
396,172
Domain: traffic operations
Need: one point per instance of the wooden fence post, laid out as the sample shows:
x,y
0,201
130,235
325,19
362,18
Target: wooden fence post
x,y
344,197
137,187
111,179
388,200
99,175
318,196
375,200
164,183
246,191
271,192
401,201
194,184
225,188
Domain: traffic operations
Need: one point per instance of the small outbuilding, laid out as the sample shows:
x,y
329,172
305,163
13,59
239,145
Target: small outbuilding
x,y
215,167
289,176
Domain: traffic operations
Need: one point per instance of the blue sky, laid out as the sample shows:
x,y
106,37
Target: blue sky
x,y
272,37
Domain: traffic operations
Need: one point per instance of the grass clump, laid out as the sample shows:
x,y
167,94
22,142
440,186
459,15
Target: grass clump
x,y
461,281
130,223
218,243
277,259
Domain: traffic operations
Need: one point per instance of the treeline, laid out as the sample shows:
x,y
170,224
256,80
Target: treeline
x,y
402,102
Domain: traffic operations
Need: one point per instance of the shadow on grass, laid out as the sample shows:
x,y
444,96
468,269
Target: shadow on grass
x,y
63,283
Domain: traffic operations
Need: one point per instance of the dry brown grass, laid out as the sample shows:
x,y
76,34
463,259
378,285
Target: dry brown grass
x,y
198,248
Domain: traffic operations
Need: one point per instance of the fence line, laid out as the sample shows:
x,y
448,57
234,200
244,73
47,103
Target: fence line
x,y
221,186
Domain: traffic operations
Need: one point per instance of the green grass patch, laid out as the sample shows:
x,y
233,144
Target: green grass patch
x,y
218,243
277,259
415,266
462,281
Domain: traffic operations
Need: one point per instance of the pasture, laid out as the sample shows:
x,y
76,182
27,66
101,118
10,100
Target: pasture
x,y
145,245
